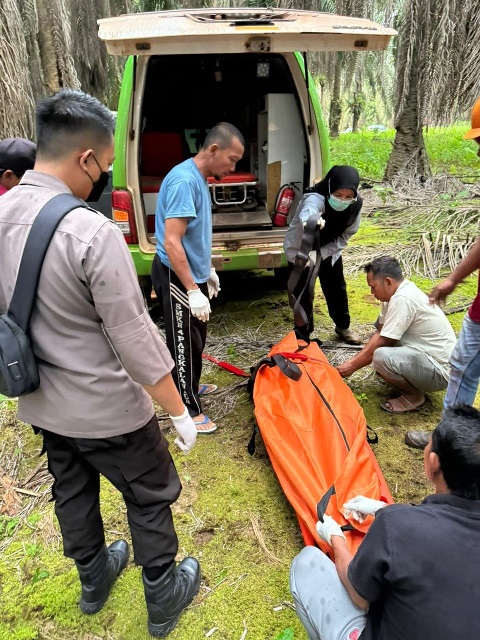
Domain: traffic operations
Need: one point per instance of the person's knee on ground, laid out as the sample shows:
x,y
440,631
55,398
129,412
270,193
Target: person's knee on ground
x,y
322,602
300,576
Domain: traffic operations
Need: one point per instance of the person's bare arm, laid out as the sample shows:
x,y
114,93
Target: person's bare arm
x,y
166,394
467,266
343,557
175,229
365,356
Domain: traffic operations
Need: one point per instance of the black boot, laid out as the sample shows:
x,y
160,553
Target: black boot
x,y
168,596
417,439
97,577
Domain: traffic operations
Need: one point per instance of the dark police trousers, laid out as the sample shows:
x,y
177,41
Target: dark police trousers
x,y
140,466
185,335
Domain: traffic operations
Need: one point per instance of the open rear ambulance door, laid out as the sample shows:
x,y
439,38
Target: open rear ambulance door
x,y
239,31
286,142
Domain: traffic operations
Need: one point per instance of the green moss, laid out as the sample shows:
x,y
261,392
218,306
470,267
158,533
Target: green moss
x,y
369,151
371,234
241,586
19,632
226,494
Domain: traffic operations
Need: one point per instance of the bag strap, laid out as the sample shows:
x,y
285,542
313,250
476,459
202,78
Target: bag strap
x,y
251,446
322,507
372,435
310,241
38,240
287,367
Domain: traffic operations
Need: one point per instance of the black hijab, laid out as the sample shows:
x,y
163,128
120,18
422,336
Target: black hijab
x,y
339,177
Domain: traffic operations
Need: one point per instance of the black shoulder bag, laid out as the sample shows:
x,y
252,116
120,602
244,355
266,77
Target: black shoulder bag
x,y
18,367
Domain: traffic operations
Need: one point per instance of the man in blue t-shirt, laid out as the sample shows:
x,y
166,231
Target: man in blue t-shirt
x,y
415,575
182,272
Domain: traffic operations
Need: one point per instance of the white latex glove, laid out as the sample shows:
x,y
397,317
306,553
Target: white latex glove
x,y
213,284
360,507
320,222
199,304
186,430
328,528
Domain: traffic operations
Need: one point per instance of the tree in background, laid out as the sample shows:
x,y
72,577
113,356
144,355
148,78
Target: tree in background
x,y
16,92
356,105
49,44
46,45
355,80
438,75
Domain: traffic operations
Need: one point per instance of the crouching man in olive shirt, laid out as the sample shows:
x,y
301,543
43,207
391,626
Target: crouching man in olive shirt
x,y
101,360
416,574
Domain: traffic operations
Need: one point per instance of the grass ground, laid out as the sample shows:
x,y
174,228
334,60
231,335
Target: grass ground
x,y
448,151
232,514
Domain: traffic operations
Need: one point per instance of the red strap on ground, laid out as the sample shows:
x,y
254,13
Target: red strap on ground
x,y
293,356
227,366
299,356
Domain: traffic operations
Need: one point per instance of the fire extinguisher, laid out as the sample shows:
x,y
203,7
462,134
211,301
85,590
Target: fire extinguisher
x,y
283,203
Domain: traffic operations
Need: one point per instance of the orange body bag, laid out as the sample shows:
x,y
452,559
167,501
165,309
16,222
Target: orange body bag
x,y
315,434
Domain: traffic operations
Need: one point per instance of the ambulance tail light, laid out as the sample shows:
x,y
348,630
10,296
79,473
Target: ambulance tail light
x,y
123,215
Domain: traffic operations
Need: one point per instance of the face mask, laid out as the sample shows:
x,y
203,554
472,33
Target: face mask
x,y
98,185
339,205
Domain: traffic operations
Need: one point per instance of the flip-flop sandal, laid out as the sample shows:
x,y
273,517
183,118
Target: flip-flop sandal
x,y
205,389
206,420
385,407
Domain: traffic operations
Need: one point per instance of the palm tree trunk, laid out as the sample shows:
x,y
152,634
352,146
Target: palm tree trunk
x,y
47,49
16,96
357,106
409,153
335,104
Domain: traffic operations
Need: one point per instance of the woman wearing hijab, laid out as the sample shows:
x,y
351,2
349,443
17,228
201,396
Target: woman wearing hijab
x,y
335,199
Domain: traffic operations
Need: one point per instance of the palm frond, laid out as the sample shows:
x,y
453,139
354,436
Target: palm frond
x,y
16,98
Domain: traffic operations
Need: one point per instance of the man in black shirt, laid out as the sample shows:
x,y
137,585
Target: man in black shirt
x,y
415,575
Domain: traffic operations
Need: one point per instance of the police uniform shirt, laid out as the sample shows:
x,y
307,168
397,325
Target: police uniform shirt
x,y
94,340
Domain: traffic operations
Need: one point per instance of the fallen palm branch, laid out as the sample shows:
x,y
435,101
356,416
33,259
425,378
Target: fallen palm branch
x,y
261,540
21,491
449,310
220,403
443,203
429,255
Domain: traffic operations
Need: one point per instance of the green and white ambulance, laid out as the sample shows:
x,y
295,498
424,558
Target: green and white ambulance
x,y
186,70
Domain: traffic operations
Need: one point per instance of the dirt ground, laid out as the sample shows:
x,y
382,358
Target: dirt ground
x,y
232,514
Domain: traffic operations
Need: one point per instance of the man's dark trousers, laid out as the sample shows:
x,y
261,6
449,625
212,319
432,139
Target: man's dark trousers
x,y
185,335
140,466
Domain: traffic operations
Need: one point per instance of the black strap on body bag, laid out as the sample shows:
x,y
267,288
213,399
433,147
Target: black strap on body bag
x,y
18,367
287,367
310,242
